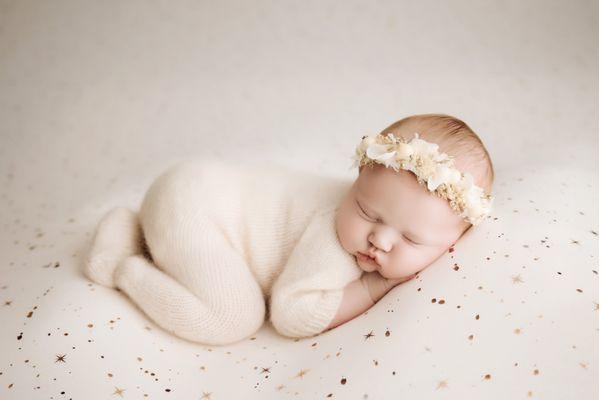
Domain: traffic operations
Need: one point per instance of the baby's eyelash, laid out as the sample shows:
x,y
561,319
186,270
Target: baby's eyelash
x,y
411,241
368,216
364,212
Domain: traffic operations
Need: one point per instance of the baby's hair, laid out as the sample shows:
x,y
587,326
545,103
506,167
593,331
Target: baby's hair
x,y
455,138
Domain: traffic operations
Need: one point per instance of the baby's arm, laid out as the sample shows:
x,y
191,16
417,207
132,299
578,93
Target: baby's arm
x,y
361,294
306,295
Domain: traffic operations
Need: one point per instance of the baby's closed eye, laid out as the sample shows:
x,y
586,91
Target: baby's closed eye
x,y
372,219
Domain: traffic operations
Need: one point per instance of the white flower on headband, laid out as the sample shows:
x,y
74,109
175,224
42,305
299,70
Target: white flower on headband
x,y
380,152
431,167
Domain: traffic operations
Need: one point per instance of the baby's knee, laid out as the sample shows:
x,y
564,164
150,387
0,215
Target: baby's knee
x,y
235,323
246,318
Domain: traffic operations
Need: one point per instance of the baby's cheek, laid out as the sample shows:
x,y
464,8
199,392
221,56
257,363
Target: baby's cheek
x,y
349,232
343,230
421,260
406,261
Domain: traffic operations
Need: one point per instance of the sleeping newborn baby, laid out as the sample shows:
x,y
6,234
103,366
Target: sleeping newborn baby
x,y
212,244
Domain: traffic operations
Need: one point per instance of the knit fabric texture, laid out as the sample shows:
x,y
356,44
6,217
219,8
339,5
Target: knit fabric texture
x,y
224,231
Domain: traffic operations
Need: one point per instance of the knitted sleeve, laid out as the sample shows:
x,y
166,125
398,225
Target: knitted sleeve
x,y
306,295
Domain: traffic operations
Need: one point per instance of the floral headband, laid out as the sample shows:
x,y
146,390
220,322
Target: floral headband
x,y
431,167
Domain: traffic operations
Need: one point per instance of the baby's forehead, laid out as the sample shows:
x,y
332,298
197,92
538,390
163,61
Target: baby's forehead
x,y
378,180
398,194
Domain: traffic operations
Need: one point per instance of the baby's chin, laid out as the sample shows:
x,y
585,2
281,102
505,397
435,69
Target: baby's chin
x,y
368,268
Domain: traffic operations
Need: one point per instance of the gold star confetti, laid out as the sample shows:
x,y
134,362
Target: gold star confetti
x,y
442,384
55,264
60,358
302,373
119,391
206,395
517,279
368,335
517,331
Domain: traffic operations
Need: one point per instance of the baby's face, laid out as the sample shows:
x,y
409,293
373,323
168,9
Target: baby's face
x,y
388,215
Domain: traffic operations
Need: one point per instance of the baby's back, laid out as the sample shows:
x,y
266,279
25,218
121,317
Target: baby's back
x,y
261,210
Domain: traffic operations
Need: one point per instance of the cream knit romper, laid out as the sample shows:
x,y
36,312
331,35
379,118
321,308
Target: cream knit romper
x,y
224,242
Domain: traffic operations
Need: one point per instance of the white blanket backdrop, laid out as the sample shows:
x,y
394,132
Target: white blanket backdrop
x,y
97,98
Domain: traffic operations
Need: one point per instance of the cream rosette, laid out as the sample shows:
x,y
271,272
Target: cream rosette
x,y
433,169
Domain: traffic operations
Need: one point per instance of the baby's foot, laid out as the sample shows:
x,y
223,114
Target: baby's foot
x,y
117,236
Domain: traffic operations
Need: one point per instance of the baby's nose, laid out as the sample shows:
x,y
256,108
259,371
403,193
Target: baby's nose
x,y
377,243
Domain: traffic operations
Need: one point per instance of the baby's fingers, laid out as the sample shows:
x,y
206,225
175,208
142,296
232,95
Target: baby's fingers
x,y
397,281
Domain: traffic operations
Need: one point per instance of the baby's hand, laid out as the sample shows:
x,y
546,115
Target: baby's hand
x,y
390,283
378,286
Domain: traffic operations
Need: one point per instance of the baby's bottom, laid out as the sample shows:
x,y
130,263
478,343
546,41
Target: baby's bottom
x,y
196,285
